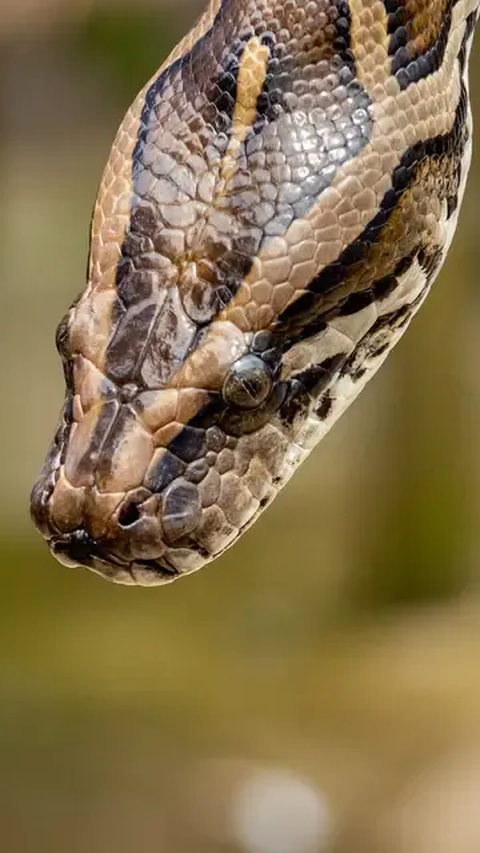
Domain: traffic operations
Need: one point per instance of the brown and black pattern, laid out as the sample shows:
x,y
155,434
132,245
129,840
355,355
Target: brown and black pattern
x,y
185,233
418,34
272,214
427,177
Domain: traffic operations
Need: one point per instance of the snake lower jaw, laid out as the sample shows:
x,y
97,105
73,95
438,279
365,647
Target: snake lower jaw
x,y
79,550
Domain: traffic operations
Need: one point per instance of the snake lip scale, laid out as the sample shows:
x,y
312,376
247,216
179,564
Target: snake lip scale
x,y
276,205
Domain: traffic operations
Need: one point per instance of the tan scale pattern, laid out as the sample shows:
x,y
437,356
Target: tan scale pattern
x,y
370,40
424,110
111,216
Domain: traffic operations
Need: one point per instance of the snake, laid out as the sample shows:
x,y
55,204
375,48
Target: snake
x,y
276,205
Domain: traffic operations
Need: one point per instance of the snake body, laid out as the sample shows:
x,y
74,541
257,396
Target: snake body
x,y
277,203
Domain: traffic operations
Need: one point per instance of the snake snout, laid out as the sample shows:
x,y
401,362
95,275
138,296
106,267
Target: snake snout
x,y
75,549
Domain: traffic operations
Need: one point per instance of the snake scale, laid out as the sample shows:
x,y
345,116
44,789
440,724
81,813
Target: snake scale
x,y
276,205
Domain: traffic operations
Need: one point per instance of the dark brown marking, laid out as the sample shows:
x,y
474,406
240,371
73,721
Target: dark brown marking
x,y
324,406
189,444
418,32
163,472
168,344
426,177
317,377
307,385
84,469
120,425
128,342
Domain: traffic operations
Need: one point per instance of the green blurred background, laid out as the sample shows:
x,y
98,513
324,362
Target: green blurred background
x,y
318,687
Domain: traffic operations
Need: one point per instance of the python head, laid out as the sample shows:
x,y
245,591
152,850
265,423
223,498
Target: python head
x,y
276,205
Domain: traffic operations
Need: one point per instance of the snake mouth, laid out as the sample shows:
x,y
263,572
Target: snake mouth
x,y
78,549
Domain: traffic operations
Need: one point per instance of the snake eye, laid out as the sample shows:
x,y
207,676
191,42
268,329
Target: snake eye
x,y
248,383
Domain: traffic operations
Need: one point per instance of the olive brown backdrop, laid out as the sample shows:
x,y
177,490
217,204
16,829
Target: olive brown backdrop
x,y
318,687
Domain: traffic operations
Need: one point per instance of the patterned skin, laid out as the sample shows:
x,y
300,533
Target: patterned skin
x,y
276,206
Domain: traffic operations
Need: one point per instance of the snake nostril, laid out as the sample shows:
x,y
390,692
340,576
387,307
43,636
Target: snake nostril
x,y
128,514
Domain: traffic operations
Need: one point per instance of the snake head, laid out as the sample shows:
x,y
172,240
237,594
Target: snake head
x,y
145,484
181,420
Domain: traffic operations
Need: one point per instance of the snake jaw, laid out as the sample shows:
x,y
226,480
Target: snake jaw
x,y
78,549
204,484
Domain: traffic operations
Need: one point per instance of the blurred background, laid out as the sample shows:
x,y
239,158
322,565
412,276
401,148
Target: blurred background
x,y
318,687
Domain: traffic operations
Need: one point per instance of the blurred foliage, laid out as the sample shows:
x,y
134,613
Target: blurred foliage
x,y
126,44
332,640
